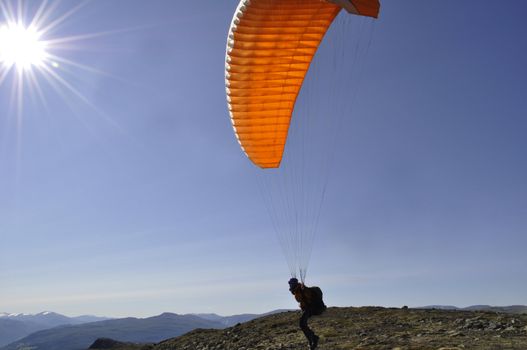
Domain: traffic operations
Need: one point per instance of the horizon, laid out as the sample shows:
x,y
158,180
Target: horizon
x,y
7,314
123,189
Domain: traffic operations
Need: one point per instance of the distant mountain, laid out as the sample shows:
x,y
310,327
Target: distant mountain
x,y
89,318
439,307
50,319
229,321
11,330
513,309
136,330
17,326
47,319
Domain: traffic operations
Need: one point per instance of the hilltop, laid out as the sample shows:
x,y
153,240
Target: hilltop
x,y
362,328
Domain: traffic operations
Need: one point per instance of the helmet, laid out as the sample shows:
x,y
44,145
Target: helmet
x,y
293,283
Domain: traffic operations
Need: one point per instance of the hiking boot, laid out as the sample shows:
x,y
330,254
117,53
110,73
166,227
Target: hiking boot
x,y
314,342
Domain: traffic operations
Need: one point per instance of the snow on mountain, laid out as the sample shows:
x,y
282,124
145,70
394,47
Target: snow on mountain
x,y
12,315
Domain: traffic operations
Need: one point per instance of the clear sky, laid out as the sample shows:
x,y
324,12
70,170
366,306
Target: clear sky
x,y
135,198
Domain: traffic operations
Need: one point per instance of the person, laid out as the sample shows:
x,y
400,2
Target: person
x,y
311,304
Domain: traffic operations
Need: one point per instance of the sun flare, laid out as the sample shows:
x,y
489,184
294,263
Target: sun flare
x,y
34,55
21,47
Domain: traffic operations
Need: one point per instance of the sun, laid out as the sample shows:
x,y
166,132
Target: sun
x,y
32,53
21,47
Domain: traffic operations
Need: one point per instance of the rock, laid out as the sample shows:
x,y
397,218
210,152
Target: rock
x,y
105,343
455,333
492,326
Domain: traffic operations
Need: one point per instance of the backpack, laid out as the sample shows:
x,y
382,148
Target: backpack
x,y
317,305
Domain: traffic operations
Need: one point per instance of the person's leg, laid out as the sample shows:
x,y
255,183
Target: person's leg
x,y
305,328
314,342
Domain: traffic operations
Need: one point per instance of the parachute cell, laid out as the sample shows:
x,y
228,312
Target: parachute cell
x,y
269,49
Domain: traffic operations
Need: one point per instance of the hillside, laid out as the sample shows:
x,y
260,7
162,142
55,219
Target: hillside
x,y
365,328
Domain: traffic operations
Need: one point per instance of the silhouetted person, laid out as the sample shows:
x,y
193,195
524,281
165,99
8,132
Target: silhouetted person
x,y
311,303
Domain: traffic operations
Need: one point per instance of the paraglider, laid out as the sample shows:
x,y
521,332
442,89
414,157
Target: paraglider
x,y
270,48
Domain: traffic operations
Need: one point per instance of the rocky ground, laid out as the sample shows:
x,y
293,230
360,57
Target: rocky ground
x,y
362,328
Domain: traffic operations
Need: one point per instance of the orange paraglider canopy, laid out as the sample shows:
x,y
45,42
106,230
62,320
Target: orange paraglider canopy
x,y
269,49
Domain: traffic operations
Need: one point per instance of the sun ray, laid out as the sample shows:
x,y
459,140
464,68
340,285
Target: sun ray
x,y
33,83
14,87
20,9
87,68
31,79
79,95
6,11
59,89
67,85
35,22
62,18
3,75
19,98
76,38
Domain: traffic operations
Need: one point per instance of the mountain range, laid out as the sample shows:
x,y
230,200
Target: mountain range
x,y
512,309
17,326
229,321
136,330
70,334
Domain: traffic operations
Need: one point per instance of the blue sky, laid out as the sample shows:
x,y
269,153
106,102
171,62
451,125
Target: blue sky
x,y
142,202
